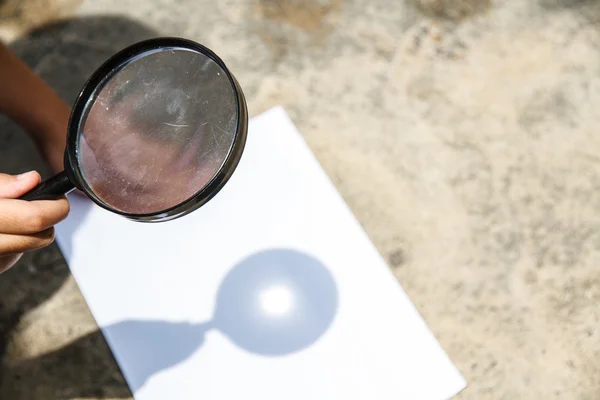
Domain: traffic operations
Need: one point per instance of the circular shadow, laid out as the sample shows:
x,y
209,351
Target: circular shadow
x,y
276,302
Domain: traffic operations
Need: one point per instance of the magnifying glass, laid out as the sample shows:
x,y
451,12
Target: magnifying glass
x,y
155,133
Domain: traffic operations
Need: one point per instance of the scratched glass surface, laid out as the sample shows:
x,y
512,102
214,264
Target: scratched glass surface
x,y
158,131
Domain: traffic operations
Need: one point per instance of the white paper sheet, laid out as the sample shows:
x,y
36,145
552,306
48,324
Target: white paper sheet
x,y
271,291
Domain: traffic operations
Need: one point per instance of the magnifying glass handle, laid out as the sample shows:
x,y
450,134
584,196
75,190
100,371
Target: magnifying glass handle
x,y
50,189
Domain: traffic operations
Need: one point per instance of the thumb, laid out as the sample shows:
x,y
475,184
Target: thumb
x,y
13,187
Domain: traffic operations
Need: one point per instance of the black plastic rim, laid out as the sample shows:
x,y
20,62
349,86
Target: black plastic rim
x,y
94,85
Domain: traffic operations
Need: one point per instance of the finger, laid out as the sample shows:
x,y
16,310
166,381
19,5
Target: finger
x,y
15,186
19,217
14,244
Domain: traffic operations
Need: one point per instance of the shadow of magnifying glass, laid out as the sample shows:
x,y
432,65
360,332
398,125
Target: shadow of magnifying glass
x,y
273,303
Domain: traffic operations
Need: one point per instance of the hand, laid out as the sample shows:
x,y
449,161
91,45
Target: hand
x,y
25,225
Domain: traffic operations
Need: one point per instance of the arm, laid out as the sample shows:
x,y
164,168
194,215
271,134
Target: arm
x,y
24,97
33,104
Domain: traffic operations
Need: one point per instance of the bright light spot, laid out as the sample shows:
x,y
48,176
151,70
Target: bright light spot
x,y
277,300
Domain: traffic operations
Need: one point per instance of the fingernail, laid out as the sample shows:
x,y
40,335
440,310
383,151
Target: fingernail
x,y
24,175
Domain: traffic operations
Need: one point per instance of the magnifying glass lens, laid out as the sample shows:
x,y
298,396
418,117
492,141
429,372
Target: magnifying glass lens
x,y
157,131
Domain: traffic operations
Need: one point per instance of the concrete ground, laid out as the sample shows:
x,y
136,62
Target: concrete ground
x,y
462,133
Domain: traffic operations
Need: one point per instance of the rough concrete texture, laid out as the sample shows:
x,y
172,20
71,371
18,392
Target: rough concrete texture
x,y
463,134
